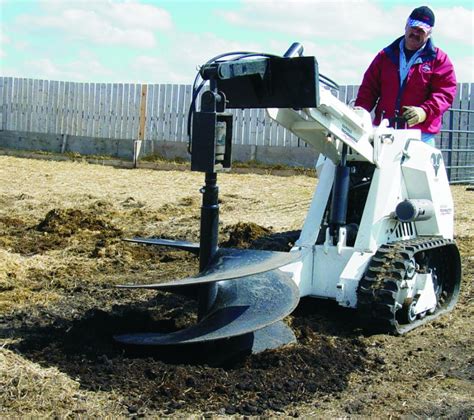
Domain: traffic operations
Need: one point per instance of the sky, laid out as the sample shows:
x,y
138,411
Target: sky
x,y
164,41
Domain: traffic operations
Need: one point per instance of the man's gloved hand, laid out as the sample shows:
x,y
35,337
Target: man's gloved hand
x,y
414,115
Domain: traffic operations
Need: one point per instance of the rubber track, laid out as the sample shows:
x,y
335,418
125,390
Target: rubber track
x,y
379,288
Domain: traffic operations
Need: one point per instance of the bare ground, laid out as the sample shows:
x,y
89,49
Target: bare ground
x,y
61,253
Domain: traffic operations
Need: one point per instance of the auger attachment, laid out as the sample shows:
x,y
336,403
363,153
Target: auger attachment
x,y
243,295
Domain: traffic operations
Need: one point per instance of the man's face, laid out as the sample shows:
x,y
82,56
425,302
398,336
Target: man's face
x,y
415,37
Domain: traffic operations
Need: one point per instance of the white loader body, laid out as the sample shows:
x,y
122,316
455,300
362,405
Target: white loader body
x,y
405,169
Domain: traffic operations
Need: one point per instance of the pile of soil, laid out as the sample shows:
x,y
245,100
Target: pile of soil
x,y
66,222
251,235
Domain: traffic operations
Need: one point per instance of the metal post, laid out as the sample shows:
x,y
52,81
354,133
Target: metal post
x,y
209,220
208,240
450,145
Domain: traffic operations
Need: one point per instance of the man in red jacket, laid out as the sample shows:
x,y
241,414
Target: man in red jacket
x,y
410,78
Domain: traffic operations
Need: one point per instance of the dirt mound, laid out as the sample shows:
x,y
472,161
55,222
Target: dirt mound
x,y
66,222
11,222
251,235
241,235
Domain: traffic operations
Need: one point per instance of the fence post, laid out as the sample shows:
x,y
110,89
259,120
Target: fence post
x,y
137,144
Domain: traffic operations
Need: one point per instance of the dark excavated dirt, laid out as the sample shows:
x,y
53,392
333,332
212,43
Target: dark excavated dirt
x,y
170,379
61,310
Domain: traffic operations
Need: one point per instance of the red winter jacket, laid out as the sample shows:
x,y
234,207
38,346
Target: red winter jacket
x,y
430,83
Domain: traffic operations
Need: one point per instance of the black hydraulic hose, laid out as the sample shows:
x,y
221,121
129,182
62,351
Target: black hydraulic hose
x,y
295,49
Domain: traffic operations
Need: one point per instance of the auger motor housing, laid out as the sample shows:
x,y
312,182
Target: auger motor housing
x,y
378,236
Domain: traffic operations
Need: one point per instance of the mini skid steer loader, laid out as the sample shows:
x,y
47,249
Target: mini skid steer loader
x,y
378,236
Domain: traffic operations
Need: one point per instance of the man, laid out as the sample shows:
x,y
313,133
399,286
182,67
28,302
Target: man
x,y
410,78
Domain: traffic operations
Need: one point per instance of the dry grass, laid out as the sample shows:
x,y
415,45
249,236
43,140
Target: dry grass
x,y
27,389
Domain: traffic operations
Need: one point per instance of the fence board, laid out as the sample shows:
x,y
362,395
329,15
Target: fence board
x,y
167,112
131,134
349,94
135,111
238,122
155,113
17,102
130,111
273,134
44,105
149,112
58,122
71,108
342,94
252,123
14,102
88,109
113,109
260,127
173,111
102,109
82,129
94,110
117,110
246,126
2,101
106,93
49,107
24,104
77,116
6,107
34,106
161,113
68,98
180,114
76,108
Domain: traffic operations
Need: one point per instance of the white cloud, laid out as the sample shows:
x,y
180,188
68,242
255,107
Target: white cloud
x,y
455,25
335,20
346,20
74,70
464,67
4,40
102,22
132,14
346,68
181,65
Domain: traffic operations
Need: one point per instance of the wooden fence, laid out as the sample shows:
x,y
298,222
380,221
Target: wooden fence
x,y
119,111
159,112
